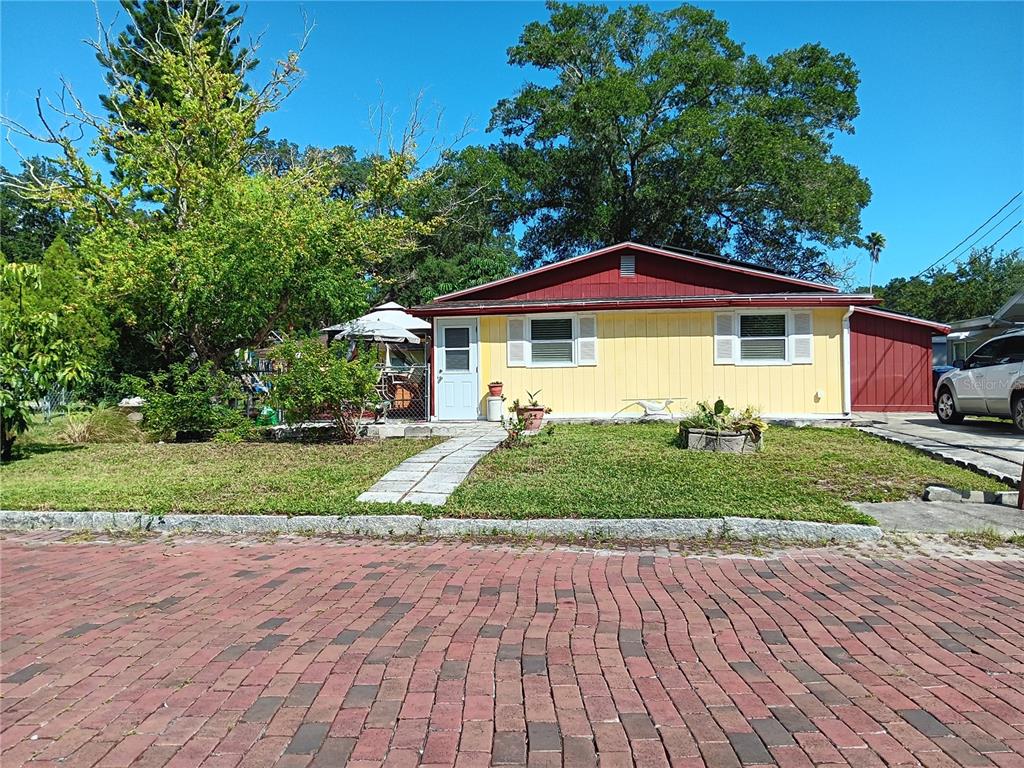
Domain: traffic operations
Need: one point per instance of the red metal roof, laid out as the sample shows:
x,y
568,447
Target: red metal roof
x,y
596,275
938,327
518,306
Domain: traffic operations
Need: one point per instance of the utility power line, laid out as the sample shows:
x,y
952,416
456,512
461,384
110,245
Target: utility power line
x,y
988,232
982,226
1019,221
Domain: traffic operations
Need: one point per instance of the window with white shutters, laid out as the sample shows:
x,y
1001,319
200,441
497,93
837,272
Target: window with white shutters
x,y
763,338
551,341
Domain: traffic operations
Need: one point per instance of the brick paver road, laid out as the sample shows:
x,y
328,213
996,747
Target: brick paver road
x,y
320,653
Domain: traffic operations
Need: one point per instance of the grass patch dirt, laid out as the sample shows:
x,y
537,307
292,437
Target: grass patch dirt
x,y
636,470
242,478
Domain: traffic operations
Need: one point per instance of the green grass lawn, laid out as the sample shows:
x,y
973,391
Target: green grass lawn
x,y
637,471
255,478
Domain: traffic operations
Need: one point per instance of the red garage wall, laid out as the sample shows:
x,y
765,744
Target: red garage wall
x,y
890,364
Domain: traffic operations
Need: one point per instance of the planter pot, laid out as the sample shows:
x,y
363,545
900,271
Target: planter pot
x,y
495,389
531,418
723,442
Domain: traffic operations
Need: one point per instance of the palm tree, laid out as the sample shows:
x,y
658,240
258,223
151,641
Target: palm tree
x,y
874,243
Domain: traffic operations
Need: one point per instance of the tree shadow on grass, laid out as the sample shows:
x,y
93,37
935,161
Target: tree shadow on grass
x,y
28,450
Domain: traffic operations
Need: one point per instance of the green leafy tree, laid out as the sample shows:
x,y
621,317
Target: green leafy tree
x,y
28,228
977,286
198,251
169,146
464,204
155,24
659,128
33,355
317,381
67,289
265,253
470,194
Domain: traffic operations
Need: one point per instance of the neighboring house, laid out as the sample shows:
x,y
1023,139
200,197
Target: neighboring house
x,y
965,336
630,321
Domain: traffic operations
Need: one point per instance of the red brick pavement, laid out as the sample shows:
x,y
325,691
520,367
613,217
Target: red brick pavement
x,y
324,654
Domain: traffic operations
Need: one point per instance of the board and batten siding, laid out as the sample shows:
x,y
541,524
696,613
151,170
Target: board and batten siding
x,y
891,364
658,354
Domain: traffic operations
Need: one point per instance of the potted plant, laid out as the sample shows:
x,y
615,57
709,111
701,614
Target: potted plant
x,y
495,388
720,428
531,414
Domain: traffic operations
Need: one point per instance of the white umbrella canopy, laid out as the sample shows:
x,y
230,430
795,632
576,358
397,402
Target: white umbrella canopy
x,y
395,314
373,330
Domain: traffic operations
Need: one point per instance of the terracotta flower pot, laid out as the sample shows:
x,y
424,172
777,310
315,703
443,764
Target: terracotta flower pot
x,y
495,389
532,417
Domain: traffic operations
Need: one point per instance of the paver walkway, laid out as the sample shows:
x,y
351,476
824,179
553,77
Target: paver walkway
x,y
992,447
222,653
430,477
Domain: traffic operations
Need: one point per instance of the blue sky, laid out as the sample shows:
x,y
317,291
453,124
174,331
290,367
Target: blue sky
x,y
940,136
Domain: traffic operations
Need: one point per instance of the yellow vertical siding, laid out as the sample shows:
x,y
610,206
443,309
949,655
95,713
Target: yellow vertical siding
x,y
670,354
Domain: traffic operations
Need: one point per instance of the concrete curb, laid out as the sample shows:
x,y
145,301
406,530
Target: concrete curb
x,y
990,466
387,526
941,493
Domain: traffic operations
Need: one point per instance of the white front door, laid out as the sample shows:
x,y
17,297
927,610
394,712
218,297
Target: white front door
x,y
458,388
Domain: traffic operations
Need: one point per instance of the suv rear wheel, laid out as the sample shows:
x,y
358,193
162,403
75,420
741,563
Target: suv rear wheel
x,y
945,408
1017,412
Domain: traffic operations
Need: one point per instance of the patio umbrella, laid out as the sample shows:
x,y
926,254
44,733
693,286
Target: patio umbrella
x,y
395,314
369,329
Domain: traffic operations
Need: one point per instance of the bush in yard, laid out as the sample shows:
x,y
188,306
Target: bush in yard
x,y
184,404
99,425
318,382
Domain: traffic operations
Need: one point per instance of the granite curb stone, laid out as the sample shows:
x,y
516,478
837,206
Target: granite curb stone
x,y
397,526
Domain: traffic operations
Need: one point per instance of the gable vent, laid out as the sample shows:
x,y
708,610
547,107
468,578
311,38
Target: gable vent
x,y
627,265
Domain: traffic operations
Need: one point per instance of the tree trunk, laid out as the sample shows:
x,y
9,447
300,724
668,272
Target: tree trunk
x,y
6,442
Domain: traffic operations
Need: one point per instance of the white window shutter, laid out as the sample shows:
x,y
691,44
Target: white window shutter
x,y
516,344
586,341
801,338
725,338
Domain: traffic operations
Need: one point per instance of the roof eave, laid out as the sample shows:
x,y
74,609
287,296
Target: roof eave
x,y
440,309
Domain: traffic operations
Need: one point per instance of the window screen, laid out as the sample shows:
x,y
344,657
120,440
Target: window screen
x,y
456,349
551,340
763,337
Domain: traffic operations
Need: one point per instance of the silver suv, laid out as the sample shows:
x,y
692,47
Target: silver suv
x,y
989,383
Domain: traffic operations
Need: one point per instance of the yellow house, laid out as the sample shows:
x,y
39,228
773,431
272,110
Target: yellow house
x,y
597,333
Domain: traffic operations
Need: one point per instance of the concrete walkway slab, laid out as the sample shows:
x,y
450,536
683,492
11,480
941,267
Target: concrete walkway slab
x,y
431,476
945,516
993,448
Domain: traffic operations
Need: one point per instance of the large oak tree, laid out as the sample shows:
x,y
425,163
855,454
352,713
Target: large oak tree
x,y
657,127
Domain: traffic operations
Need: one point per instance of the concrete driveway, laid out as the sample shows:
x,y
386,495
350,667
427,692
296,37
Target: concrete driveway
x,y
992,447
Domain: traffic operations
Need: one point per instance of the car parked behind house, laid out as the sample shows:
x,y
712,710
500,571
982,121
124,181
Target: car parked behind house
x,y
988,383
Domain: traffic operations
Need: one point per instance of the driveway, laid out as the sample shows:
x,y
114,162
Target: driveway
x,y
221,652
993,447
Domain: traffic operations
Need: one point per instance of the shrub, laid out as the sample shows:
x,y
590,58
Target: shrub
x,y
318,382
244,432
184,404
99,425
